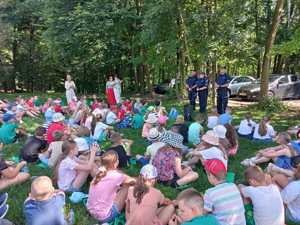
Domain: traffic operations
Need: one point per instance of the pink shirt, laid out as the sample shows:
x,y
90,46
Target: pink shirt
x,y
146,129
144,213
103,194
162,119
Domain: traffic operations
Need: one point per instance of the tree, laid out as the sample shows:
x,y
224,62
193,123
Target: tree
x,y
264,86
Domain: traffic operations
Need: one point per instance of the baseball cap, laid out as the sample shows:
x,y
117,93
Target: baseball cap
x,y
149,172
214,166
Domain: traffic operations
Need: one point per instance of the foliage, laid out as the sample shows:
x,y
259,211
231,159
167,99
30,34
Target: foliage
x,y
271,105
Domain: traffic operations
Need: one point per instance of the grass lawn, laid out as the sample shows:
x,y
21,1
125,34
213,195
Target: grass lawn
x,y
18,194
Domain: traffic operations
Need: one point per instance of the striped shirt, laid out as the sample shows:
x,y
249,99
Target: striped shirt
x,y
224,201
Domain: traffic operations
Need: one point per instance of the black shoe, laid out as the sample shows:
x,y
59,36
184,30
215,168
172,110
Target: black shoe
x,y
3,211
3,199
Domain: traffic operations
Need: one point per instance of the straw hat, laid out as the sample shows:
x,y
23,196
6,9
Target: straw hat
x,y
154,134
210,138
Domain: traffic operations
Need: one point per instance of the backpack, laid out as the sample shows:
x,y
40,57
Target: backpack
x,y
187,113
173,114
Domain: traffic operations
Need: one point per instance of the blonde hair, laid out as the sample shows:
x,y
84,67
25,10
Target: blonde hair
x,y
108,161
254,173
262,128
41,188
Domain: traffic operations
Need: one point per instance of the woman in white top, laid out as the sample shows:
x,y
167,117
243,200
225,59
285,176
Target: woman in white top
x,y
70,89
246,127
117,89
264,131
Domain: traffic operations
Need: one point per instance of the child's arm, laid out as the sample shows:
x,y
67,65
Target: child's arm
x,y
129,180
12,172
178,168
88,166
275,153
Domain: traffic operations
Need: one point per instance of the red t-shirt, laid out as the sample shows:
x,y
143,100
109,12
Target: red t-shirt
x,y
121,114
57,108
30,103
52,128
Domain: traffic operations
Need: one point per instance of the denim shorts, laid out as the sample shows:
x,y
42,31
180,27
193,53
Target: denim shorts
x,y
114,213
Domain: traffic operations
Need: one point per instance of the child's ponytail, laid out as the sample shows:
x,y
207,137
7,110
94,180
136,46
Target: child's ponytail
x,y
140,189
262,129
108,161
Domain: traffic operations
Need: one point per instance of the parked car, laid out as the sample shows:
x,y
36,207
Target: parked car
x,y
237,82
280,86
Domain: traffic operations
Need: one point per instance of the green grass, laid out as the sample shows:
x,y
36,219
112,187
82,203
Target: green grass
x,y
18,194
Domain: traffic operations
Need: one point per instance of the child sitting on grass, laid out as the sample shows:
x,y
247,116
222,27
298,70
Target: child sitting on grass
x,y
225,117
150,122
54,151
213,118
224,200
280,154
191,210
11,174
10,131
264,131
34,145
107,196
45,205
70,172
246,127
143,201
290,193
265,197
195,130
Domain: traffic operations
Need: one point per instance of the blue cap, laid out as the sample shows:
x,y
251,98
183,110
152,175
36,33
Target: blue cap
x,y
7,117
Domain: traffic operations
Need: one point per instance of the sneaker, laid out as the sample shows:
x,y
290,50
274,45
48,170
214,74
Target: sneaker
x,y
3,199
3,211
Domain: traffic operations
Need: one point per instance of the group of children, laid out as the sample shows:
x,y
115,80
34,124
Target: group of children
x,y
69,143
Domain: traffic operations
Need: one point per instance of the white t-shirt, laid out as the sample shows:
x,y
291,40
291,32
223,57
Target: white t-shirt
x,y
214,153
246,127
99,129
111,118
267,204
291,197
88,122
152,150
66,173
270,132
212,121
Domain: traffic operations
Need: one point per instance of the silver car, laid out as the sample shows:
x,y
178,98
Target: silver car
x,y
237,82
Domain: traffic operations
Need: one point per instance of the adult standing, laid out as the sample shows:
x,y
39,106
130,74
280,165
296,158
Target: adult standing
x,y
117,89
202,89
191,87
110,94
70,88
222,83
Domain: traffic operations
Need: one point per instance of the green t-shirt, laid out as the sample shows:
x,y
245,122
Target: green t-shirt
x,y
203,220
137,121
8,133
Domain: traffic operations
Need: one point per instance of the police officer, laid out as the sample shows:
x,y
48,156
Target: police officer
x,y
202,89
191,86
222,82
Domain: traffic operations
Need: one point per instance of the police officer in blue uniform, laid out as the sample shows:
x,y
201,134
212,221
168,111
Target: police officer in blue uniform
x,y
191,86
202,89
222,82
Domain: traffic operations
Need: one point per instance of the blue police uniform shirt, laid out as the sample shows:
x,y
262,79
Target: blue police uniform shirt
x,y
191,81
202,82
221,80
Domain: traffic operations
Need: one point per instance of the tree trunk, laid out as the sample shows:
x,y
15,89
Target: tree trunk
x,y
268,47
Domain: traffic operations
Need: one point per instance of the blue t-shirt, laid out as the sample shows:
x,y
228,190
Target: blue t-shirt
x,y
225,118
194,133
203,220
296,146
48,212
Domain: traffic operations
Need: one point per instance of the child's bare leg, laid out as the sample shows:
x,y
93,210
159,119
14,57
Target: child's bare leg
x,y
80,179
165,213
191,176
121,198
258,160
20,178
